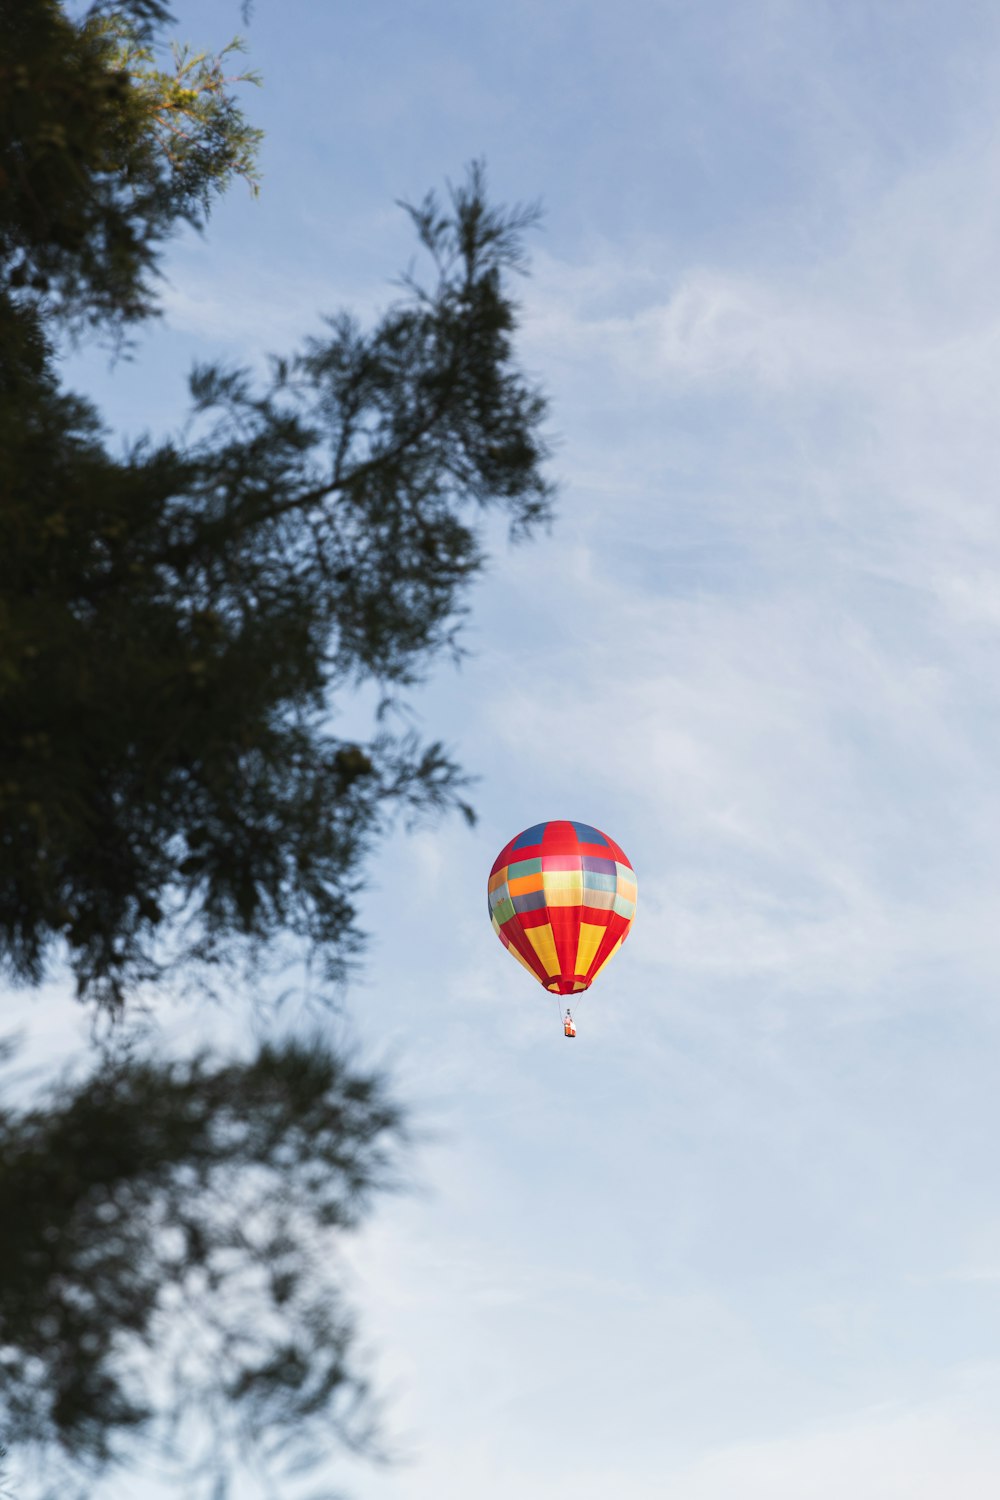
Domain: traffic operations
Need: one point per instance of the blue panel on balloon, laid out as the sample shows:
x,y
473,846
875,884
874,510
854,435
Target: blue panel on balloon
x,y
588,835
533,901
529,836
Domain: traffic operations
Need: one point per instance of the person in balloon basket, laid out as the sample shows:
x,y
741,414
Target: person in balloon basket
x,y
569,1025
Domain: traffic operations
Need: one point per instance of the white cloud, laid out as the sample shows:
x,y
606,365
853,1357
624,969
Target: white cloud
x,y
783,593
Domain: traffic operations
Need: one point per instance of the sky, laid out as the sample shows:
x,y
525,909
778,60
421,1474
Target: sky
x,y
740,1240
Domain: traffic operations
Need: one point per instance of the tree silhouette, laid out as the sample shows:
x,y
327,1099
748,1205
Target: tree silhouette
x,y
178,622
167,1249
177,628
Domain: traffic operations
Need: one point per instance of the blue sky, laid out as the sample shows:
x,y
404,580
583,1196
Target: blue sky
x,y
742,1237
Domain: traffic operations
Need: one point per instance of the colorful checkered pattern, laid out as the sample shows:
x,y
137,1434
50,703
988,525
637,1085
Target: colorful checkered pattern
x,y
562,898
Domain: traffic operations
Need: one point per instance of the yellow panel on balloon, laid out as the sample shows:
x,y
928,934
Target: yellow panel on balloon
x,y
544,944
564,898
591,934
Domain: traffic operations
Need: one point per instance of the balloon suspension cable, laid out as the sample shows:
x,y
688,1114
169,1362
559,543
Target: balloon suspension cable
x,y
567,1014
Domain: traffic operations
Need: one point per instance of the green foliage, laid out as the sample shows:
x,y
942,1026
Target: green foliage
x,y
169,1245
178,627
102,153
175,625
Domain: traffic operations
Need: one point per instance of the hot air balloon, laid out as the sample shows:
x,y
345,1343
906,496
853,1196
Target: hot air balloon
x,y
562,898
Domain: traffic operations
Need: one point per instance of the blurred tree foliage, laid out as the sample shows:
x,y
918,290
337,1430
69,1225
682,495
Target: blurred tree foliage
x,y
102,153
175,623
166,1270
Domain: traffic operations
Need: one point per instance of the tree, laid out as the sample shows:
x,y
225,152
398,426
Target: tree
x,y
176,622
101,154
176,628
165,1266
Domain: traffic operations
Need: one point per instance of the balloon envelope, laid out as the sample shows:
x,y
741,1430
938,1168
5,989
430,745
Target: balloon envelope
x,y
562,898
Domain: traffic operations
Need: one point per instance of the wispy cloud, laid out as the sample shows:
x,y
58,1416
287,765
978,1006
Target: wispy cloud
x,y
795,678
